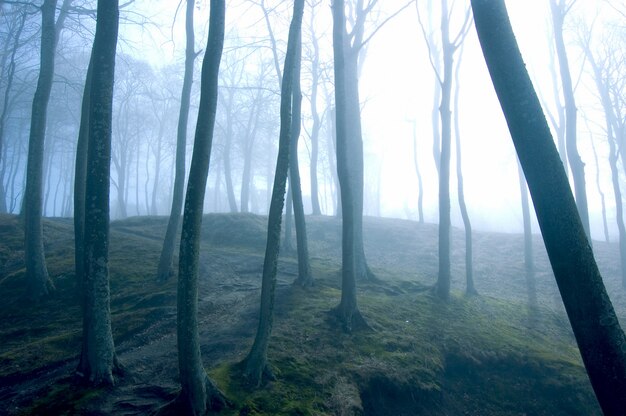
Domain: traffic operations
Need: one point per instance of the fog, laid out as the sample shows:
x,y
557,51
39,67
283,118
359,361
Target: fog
x,y
396,89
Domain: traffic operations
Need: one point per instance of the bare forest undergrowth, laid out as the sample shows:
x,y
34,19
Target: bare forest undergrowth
x,y
485,355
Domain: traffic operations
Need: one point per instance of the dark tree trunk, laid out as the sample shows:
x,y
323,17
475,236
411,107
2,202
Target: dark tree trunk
x,y
443,280
39,283
256,366
600,339
529,263
347,312
80,181
165,268
198,393
305,278
98,362
559,10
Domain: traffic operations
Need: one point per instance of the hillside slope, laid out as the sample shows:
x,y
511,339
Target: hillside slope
x,y
486,355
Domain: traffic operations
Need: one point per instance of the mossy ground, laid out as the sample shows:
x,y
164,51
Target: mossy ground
x,y
485,355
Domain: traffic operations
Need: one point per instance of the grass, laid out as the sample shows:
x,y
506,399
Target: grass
x,y
486,355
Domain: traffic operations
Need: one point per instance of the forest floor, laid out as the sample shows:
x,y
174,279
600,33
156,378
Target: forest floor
x,y
480,355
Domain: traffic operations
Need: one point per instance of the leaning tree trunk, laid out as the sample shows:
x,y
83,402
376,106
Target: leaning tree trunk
x,y
39,283
347,312
305,278
198,393
256,366
98,362
600,339
167,252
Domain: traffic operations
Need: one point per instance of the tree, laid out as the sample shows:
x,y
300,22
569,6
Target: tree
x,y
256,366
559,9
167,252
529,262
98,362
470,289
36,270
305,278
347,312
198,393
449,46
600,339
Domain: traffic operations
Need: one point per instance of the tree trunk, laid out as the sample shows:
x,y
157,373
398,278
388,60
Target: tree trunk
x,y
470,289
420,196
600,339
576,164
529,262
198,393
305,278
256,367
317,122
39,283
232,203
165,269
288,237
443,280
347,311
98,362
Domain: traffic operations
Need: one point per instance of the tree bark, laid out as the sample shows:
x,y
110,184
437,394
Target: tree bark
x,y
198,393
347,311
317,122
305,278
443,280
166,258
39,283
470,288
600,339
256,366
98,362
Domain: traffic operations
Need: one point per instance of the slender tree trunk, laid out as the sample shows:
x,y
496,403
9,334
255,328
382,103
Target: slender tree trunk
x,y
256,366
443,281
347,312
470,289
605,226
420,196
80,187
305,278
98,362
576,164
317,122
600,339
167,252
529,262
198,393
36,270
288,237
